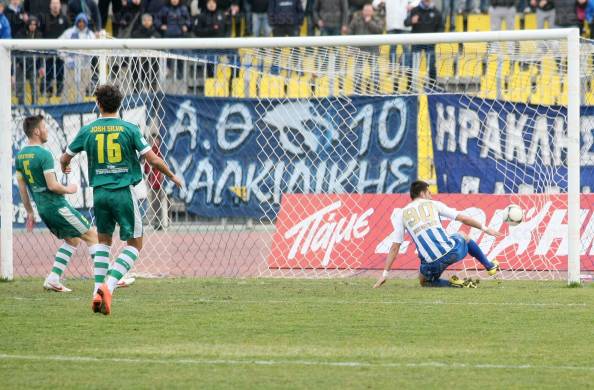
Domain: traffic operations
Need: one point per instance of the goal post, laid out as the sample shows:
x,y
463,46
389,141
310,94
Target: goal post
x,y
265,47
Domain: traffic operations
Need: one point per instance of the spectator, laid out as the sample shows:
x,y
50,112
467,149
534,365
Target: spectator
x,y
211,22
53,25
331,16
32,30
17,17
77,67
366,22
128,19
173,20
425,18
146,29
545,11
260,26
231,10
565,13
91,11
501,10
28,67
4,24
116,8
285,17
146,70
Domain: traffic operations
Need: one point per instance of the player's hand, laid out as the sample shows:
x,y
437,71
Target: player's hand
x,y
30,222
176,180
414,19
71,188
379,282
493,232
65,168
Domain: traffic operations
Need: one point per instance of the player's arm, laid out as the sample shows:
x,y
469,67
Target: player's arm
x,y
56,187
454,214
26,201
466,220
394,249
76,146
157,162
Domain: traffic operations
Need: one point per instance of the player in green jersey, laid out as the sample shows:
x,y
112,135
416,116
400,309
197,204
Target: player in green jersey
x,y
36,175
114,148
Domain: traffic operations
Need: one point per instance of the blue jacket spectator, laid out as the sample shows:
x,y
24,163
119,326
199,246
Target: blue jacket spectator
x,y
285,17
4,24
87,7
173,20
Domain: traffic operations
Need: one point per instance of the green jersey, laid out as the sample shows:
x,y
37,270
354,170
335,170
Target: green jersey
x,y
113,147
32,162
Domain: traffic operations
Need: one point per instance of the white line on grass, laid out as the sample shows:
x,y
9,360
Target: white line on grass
x,y
407,302
342,302
206,362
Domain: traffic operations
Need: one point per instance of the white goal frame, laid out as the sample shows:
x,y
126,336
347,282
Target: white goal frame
x,y
571,36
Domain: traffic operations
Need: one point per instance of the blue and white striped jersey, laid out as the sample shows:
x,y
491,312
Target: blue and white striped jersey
x,y
421,218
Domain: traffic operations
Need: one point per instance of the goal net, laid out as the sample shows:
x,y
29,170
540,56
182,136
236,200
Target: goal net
x,y
295,159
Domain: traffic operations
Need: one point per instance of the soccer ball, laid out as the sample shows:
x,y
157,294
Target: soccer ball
x,y
513,214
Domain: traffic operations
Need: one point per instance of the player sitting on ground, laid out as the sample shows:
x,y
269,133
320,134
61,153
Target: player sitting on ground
x,y
113,147
35,172
437,250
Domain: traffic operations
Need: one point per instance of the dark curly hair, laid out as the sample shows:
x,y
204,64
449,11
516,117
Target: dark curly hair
x,y
109,98
31,123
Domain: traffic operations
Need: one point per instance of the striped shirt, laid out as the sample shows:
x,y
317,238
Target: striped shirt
x,y
422,219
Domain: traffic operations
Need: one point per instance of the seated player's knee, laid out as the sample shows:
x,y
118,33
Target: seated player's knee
x,y
465,236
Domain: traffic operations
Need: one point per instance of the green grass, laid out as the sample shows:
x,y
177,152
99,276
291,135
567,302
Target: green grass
x,y
263,333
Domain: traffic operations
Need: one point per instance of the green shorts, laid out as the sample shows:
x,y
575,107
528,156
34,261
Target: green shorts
x,y
64,221
117,206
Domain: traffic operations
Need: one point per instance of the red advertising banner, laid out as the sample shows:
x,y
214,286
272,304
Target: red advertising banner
x,y
339,231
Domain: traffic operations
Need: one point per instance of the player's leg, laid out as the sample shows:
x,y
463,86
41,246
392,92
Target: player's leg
x,y
431,272
61,260
105,220
130,221
68,224
475,251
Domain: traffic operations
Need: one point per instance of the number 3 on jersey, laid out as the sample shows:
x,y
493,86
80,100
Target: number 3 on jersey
x,y
114,150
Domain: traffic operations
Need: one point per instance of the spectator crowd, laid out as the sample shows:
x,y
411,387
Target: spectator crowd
x,y
223,18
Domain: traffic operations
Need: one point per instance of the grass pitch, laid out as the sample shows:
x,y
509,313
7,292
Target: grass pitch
x,y
263,333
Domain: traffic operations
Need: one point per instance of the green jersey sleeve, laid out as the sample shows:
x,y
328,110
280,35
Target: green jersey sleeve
x,y
140,143
78,143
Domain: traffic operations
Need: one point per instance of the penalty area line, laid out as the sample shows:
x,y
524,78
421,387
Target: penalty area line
x,y
247,362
